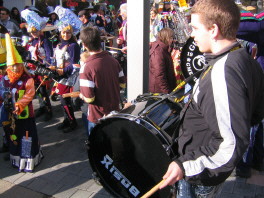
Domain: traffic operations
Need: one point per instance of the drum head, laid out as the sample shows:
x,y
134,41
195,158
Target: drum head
x,y
128,158
192,60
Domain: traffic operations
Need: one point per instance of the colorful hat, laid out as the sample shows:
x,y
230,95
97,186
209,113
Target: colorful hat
x,y
67,19
33,19
12,56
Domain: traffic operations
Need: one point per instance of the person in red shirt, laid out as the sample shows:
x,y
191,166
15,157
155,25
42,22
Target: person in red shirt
x,y
101,79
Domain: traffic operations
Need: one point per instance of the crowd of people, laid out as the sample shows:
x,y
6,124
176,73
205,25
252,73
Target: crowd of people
x,y
226,103
39,67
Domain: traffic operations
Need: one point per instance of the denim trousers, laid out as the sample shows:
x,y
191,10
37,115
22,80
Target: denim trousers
x,y
255,151
91,125
85,122
187,190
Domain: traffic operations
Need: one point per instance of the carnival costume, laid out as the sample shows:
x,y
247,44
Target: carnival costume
x,y
40,49
67,56
3,114
25,152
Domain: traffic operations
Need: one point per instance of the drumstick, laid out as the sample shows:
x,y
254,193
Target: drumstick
x,y
41,83
44,60
152,190
114,48
72,94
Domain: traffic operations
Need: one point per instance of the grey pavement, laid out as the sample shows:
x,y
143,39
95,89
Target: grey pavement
x,y
65,170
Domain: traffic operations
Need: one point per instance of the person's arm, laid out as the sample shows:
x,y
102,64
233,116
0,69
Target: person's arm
x,y
226,109
87,86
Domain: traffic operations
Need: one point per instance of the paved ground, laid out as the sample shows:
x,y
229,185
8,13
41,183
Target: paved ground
x,y
65,171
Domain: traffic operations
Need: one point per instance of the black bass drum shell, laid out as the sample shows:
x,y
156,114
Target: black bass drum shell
x,y
192,60
130,151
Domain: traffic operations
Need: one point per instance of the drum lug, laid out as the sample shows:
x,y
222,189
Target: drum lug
x,y
167,149
112,113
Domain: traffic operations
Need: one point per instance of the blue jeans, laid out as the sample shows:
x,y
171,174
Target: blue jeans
x,y
187,190
255,151
85,122
91,125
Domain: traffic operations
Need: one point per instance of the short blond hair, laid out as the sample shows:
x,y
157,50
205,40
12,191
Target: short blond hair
x,y
224,13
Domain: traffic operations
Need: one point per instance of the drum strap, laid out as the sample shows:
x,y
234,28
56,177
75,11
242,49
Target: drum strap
x,y
183,111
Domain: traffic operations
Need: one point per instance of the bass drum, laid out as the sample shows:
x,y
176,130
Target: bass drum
x,y
130,151
192,60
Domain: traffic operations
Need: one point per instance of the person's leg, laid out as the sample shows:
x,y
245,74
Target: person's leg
x,y
46,102
85,122
258,149
208,191
187,190
91,125
184,189
68,109
243,168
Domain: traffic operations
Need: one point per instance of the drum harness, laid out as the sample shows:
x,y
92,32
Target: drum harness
x,y
178,90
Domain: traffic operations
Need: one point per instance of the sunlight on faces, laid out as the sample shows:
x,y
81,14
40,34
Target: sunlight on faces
x,y
66,33
201,34
17,68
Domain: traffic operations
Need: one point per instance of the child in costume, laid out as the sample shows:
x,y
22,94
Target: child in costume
x,y
25,152
3,113
67,56
40,49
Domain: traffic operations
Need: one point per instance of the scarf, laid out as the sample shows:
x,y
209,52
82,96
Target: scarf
x,y
13,76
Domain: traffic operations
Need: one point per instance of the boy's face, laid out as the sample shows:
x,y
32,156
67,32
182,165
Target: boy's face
x,y
201,34
17,68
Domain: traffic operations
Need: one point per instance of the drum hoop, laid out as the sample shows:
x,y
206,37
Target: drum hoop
x,y
93,162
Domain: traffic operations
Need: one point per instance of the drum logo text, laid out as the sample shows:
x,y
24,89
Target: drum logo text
x,y
107,161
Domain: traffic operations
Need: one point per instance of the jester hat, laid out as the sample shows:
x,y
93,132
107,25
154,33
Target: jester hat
x,y
12,56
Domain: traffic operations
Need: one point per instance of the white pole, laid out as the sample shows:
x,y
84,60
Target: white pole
x,y
137,47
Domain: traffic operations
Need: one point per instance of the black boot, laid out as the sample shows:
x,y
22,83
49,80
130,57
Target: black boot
x,y
72,127
68,109
48,114
64,124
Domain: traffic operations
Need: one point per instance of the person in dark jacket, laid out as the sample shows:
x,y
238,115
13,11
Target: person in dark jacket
x,y
251,29
161,74
226,101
